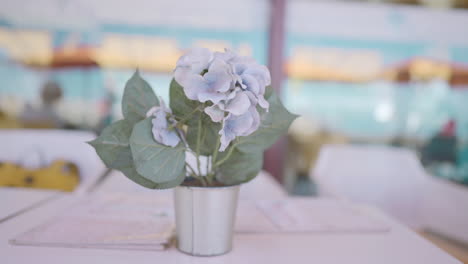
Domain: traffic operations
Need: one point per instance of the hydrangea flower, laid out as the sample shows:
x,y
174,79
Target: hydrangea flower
x,y
249,75
238,125
235,85
211,86
161,133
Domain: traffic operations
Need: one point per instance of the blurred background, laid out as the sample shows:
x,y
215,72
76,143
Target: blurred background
x,y
376,75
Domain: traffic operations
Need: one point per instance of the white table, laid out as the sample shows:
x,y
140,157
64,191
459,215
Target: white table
x,y
445,208
14,201
400,245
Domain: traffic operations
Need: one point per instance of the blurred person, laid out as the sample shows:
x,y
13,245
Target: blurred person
x,y
46,115
442,147
106,106
306,137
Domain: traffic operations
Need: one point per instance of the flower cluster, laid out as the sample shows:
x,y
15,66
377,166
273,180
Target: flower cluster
x,y
161,132
233,85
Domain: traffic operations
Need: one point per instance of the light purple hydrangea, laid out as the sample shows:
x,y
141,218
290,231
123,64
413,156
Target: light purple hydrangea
x,y
235,85
162,117
239,125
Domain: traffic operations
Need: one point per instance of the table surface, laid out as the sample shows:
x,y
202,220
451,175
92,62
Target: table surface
x,y
400,245
14,201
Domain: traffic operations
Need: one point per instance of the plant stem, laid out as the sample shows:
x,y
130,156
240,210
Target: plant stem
x,y
215,154
194,175
191,169
202,180
198,145
184,119
207,166
214,157
182,137
231,150
209,180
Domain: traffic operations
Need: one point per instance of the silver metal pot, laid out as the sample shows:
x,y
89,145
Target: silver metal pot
x,y
205,219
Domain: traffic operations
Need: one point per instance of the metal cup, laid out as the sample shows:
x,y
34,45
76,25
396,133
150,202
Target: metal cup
x,y
205,219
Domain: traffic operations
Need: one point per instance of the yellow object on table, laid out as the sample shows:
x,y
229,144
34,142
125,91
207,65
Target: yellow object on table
x,y
7,122
59,175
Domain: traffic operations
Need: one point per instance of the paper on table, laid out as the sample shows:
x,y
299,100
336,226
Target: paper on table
x,y
306,215
108,222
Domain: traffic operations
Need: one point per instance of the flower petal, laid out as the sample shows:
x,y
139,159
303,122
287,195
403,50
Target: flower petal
x,y
226,56
214,97
240,124
215,112
170,138
152,111
166,137
255,121
195,85
161,134
181,75
260,72
263,102
239,105
233,93
227,134
218,81
160,131
251,83
233,126
197,60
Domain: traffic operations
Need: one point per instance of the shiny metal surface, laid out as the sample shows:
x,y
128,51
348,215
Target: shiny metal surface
x,y
205,219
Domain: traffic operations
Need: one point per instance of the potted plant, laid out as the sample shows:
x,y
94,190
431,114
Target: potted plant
x,y
222,115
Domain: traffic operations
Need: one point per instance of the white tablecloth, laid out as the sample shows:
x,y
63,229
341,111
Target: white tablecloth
x,y
399,245
14,201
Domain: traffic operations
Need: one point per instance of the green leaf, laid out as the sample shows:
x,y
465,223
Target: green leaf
x,y
273,124
112,146
209,133
240,167
133,175
181,106
154,161
173,183
268,92
138,98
